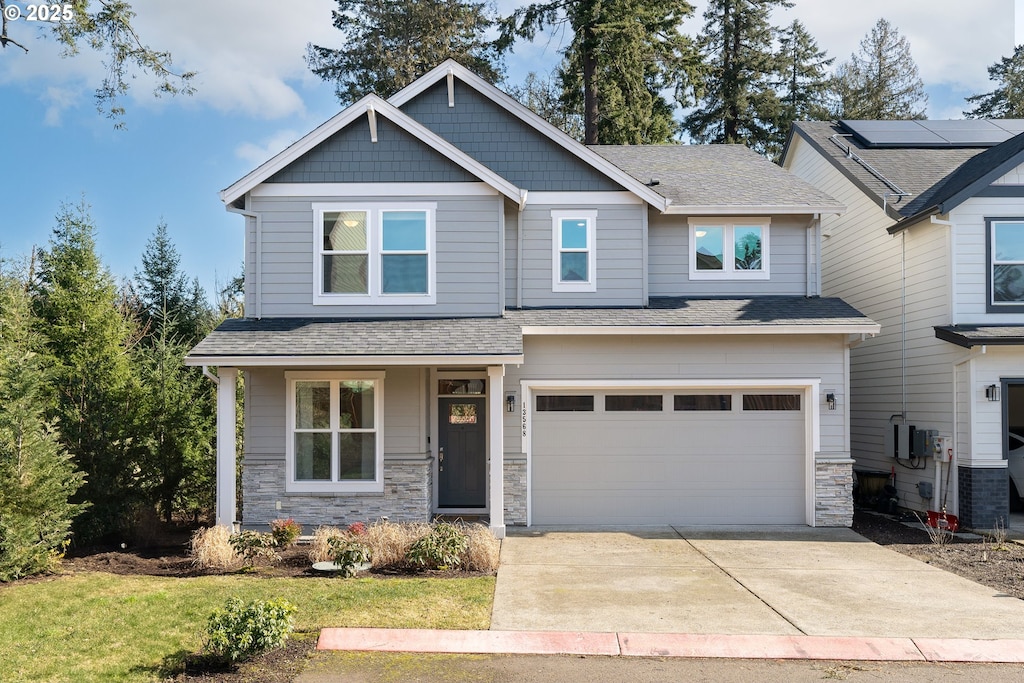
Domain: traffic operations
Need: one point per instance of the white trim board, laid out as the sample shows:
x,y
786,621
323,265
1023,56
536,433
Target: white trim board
x,y
584,330
355,361
335,191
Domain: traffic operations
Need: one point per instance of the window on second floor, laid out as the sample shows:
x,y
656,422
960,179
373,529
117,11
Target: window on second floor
x,y
1006,264
574,252
729,249
373,254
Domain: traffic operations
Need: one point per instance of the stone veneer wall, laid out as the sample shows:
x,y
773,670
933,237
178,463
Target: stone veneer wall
x,y
984,496
833,492
406,497
515,490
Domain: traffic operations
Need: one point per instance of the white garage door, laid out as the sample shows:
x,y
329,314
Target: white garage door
x,y
668,457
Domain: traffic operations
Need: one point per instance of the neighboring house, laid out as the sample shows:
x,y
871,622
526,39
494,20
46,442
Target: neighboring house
x,y
932,247
456,308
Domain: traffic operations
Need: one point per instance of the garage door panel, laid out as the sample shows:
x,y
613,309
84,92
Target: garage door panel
x,y
680,467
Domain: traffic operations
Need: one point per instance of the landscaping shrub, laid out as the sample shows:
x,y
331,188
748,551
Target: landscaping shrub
x,y
481,554
210,548
285,532
442,548
242,630
389,542
347,553
252,545
320,548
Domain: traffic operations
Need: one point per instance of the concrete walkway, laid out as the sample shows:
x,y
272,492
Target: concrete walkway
x,y
761,592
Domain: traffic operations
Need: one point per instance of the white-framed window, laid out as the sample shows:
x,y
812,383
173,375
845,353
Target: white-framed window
x,y
574,252
729,248
1005,245
334,432
367,253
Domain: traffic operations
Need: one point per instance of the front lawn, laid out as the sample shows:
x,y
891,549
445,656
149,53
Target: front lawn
x,y
106,627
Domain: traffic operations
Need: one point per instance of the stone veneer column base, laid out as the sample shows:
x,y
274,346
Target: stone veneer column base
x,y
406,498
515,490
984,497
833,492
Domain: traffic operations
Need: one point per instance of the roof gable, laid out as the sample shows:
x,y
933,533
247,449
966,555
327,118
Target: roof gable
x,y
370,109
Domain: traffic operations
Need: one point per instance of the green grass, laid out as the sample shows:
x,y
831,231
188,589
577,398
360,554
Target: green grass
x,y
103,627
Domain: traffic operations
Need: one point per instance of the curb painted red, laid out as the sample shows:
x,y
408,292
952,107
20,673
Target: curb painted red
x,y
850,648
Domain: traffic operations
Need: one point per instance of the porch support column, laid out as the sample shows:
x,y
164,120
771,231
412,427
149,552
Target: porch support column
x,y
496,447
226,387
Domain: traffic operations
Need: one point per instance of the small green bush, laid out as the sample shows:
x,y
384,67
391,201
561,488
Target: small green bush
x,y
285,532
347,553
251,545
442,548
242,630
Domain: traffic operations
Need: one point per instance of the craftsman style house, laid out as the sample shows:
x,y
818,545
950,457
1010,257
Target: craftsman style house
x,y
932,247
452,307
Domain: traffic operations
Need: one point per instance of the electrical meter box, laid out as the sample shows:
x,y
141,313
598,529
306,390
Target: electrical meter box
x,y
923,445
907,442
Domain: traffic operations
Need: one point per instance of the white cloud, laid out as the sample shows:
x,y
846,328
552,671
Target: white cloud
x,y
58,99
256,154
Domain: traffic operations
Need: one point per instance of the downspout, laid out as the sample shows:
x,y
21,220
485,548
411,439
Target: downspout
x,y
953,469
903,325
212,377
257,270
519,257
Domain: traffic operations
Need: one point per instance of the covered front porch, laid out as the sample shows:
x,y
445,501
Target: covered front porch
x,y
373,430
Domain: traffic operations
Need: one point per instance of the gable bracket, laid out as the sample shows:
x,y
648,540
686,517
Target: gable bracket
x,y
371,115
451,87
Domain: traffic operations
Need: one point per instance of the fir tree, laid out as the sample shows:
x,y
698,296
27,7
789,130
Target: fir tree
x,y
881,81
804,85
623,55
737,102
37,475
89,339
388,44
1007,100
543,96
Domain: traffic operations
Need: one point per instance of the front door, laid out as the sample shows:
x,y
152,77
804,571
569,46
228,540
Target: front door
x,y
461,453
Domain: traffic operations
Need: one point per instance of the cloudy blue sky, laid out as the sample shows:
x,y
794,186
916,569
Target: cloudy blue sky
x,y
255,95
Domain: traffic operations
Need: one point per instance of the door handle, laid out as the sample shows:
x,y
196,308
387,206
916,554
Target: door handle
x,y
440,454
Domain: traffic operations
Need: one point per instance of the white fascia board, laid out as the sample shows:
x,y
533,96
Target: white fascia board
x,y
334,190
760,383
533,120
331,361
589,199
681,330
346,117
724,210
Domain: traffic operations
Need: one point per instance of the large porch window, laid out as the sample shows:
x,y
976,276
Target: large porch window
x,y
334,432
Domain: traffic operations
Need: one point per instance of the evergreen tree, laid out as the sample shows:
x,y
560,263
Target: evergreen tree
x,y
388,44
804,85
737,102
623,55
543,96
37,475
89,340
1007,100
881,81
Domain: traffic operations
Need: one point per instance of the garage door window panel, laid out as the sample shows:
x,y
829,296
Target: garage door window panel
x,y
565,404
702,402
633,403
783,402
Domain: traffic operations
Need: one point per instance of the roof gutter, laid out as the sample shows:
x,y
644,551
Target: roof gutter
x,y
728,210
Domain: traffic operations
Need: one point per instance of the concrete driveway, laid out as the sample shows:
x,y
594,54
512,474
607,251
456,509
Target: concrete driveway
x,y
754,581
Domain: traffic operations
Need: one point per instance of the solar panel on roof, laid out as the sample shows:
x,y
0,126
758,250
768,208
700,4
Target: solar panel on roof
x,y
950,133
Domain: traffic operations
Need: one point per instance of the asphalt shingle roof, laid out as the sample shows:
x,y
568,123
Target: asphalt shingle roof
x,y
919,171
503,336
978,335
714,175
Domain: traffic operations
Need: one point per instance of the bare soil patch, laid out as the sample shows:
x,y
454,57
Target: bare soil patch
x,y
981,560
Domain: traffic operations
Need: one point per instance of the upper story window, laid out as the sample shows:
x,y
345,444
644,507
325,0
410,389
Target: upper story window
x,y
729,249
374,254
1006,264
573,256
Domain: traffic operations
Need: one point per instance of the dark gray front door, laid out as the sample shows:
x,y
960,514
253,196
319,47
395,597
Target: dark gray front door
x,y
461,453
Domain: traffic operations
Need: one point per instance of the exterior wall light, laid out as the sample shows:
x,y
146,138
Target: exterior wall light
x,y
510,402
992,392
830,399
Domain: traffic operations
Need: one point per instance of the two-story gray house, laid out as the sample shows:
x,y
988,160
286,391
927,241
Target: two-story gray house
x,y
454,308
932,247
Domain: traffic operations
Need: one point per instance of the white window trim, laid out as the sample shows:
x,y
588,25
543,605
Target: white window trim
x,y
729,271
374,222
994,306
344,486
557,285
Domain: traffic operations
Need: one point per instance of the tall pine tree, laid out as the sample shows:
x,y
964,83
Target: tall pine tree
x,y
623,55
737,102
388,44
89,338
804,84
37,475
881,80
1007,100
